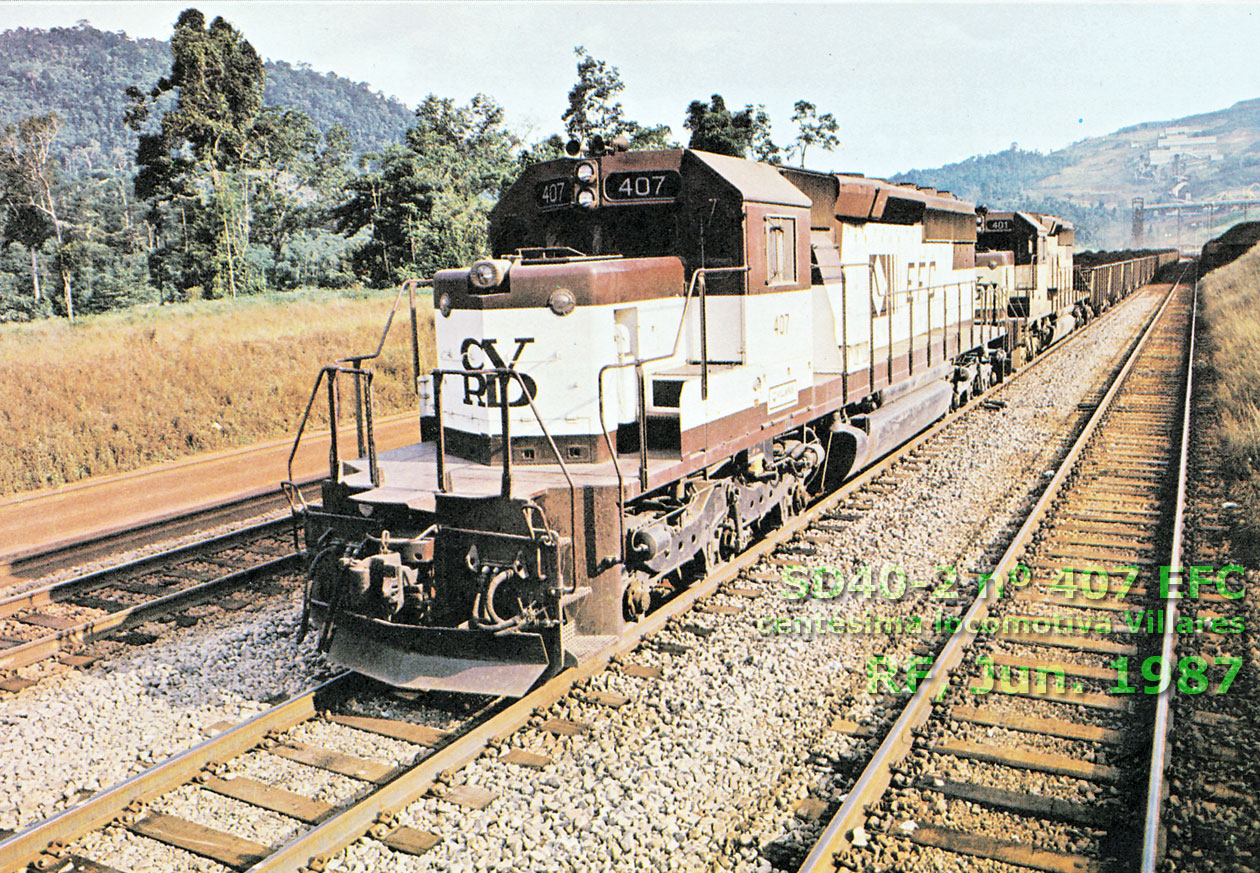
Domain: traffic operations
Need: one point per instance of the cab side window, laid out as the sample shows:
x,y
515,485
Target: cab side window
x,y
780,250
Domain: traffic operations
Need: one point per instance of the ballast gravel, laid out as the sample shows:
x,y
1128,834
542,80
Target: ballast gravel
x,y
702,770
86,730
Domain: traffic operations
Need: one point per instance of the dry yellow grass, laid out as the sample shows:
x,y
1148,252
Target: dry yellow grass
x,y
1231,316
124,390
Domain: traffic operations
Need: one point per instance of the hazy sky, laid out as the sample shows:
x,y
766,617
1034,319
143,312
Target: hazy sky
x,y
913,84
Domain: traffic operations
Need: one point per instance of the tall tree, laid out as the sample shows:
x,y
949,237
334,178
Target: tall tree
x,y
218,78
27,165
763,148
714,128
594,107
813,129
280,164
424,203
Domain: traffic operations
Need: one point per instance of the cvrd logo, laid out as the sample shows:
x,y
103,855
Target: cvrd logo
x,y
483,389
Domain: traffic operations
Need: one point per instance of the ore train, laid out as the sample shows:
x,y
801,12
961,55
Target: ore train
x,y
669,352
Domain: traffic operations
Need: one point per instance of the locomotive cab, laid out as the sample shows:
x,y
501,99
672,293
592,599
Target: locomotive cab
x,y
1042,297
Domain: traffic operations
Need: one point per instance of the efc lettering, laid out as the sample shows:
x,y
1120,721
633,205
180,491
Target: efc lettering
x,y
482,389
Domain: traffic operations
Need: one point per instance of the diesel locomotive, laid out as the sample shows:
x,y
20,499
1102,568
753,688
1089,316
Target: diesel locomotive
x,y
669,351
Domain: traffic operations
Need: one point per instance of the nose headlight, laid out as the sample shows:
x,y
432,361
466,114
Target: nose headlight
x,y
586,198
585,172
488,274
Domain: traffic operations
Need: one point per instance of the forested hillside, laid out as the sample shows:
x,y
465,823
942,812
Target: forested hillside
x,y
162,172
82,74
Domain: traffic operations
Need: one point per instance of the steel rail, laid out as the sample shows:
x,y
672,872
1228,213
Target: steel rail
x,y
27,561
57,592
49,645
26,847
1152,833
32,564
313,848
875,778
41,843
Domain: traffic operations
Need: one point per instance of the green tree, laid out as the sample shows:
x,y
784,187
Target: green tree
x,y
423,205
594,107
813,129
714,128
763,148
26,225
280,169
28,170
218,78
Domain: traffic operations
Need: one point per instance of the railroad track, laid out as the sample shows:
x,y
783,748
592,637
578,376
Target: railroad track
x,y
90,521
1032,737
1209,816
58,621
36,564
429,760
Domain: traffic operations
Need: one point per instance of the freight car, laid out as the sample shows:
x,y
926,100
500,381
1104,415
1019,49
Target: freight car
x,y
1229,246
670,351
1106,277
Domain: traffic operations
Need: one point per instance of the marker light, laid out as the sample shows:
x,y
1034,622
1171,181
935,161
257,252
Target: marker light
x,y
562,301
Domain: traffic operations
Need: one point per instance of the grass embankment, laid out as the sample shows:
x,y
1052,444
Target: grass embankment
x,y
1231,314
123,390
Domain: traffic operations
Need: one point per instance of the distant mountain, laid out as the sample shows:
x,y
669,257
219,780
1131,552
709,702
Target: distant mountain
x,y
82,73
1208,157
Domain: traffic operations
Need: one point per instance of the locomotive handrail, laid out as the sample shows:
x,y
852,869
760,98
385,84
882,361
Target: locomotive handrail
x,y
505,374
408,287
289,486
697,278
364,415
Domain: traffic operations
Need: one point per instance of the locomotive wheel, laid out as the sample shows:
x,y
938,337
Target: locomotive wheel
x,y
637,598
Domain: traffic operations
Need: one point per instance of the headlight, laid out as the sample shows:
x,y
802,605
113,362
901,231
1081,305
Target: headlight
x,y
586,198
562,301
488,274
586,172
444,305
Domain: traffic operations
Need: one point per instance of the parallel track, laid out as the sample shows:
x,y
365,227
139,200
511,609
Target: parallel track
x,y
1066,786
44,562
58,620
438,755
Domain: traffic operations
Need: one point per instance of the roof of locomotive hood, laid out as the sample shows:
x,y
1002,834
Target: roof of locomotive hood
x,y
1035,221
753,181
761,183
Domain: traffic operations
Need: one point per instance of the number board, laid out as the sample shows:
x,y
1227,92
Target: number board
x,y
554,192
639,185
999,224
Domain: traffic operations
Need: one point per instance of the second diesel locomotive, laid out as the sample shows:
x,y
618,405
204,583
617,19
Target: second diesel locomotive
x,y
670,350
